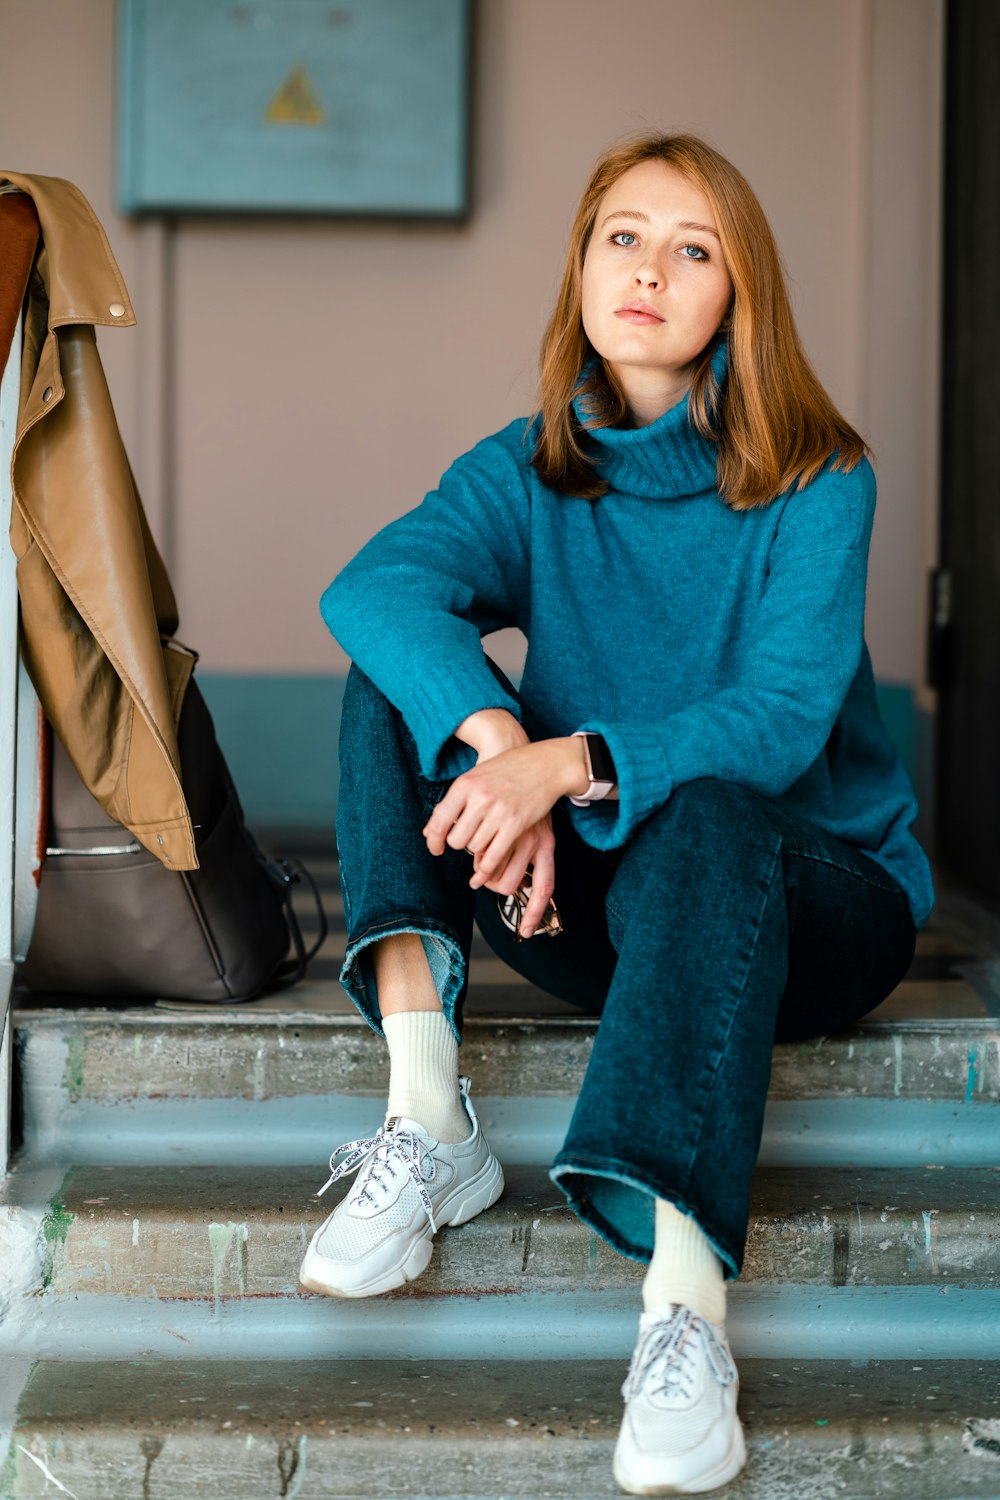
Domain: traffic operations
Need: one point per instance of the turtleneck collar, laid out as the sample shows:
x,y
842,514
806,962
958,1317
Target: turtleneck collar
x,y
665,460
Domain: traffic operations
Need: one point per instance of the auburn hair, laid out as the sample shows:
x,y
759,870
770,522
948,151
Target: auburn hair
x,y
774,424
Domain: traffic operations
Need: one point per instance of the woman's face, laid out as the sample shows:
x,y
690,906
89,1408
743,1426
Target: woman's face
x,y
655,286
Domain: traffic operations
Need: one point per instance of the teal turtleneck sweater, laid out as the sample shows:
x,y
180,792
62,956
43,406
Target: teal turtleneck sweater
x,y
698,640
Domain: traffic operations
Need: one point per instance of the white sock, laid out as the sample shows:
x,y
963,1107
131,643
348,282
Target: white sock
x,y
423,1073
684,1268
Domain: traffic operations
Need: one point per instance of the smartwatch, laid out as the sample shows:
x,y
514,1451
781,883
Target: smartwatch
x,y
600,768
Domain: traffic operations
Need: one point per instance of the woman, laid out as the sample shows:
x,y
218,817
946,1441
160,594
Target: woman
x,y
694,767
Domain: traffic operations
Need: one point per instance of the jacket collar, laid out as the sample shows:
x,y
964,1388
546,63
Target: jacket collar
x,y
80,273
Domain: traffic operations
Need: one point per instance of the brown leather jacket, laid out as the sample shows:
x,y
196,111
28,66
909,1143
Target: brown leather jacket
x,y
97,609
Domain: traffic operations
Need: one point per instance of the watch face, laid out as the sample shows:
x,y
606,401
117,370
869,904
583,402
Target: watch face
x,y
602,767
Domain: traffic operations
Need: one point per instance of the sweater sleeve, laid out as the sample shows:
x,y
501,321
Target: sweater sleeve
x,y
411,607
765,729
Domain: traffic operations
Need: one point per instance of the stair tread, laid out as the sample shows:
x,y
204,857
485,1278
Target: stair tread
x,y
495,992
241,1231
172,1191
357,1428
142,1053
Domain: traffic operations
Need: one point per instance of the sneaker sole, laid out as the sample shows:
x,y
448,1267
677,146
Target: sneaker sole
x,y
468,1200
730,1466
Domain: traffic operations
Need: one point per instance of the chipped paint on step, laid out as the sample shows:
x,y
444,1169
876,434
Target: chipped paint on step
x,y
970,1082
221,1237
982,1437
50,1478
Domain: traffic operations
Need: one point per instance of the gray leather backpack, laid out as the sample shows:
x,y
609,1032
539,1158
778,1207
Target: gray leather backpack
x,y
113,921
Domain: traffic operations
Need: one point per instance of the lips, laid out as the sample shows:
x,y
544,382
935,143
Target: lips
x,y
638,312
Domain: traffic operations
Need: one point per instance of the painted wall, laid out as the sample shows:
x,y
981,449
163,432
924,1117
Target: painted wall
x,y
293,385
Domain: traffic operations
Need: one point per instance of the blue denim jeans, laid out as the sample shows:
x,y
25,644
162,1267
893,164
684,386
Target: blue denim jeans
x,y
722,925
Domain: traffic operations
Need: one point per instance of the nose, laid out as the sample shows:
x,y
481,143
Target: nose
x,y
650,273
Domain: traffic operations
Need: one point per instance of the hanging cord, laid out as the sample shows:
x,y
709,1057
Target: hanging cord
x,y
285,873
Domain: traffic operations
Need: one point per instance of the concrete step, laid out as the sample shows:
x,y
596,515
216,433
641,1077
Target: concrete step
x,y
493,1430
97,1054
216,1234
764,1321
141,1084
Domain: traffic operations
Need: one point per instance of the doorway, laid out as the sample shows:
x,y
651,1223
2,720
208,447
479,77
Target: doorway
x,y
965,614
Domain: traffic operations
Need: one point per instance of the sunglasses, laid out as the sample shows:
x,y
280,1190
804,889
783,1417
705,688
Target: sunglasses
x,y
512,909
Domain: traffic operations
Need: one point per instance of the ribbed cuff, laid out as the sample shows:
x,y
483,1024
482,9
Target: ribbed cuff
x,y
645,781
423,1073
440,702
684,1268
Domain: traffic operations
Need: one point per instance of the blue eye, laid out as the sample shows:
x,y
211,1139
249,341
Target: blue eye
x,y
624,234
700,253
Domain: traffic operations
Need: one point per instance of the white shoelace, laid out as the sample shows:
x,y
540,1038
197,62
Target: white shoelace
x,y
666,1354
390,1146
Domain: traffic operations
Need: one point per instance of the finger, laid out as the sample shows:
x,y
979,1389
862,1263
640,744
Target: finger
x,y
493,858
455,822
543,880
435,830
473,832
512,873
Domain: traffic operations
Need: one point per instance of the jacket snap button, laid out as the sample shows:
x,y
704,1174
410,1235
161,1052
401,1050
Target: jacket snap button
x,y
47,393
117,310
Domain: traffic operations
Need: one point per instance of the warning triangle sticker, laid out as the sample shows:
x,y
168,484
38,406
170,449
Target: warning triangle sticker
x,y
296,102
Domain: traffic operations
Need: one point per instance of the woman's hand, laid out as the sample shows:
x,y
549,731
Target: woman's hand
x,y
501,810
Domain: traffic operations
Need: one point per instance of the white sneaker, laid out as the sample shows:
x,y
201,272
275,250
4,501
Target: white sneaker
x,y
680,1434
408,1185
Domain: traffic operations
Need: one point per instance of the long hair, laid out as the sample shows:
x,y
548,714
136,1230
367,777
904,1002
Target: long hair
x,y
774,424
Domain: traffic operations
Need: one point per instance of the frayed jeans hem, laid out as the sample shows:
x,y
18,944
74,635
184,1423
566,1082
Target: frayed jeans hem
x,y
444,956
